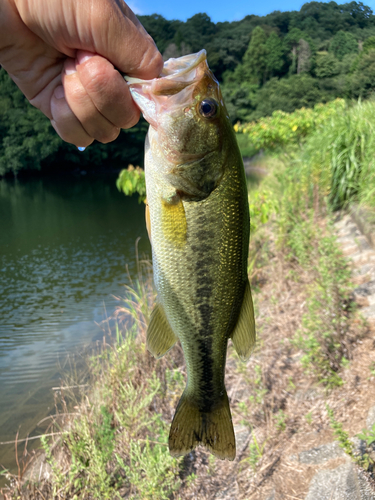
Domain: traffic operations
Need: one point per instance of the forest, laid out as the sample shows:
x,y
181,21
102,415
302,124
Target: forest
x,y
281,61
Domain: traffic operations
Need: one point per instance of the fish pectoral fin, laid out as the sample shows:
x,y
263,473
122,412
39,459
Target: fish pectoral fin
x,y
244,336
214,429
160,336
173,221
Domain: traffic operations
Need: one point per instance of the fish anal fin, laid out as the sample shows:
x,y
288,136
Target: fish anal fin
x,y
213,430
148,220
160,336
244,336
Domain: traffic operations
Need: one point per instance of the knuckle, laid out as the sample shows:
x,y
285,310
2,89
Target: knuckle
x,y
131,120
109,135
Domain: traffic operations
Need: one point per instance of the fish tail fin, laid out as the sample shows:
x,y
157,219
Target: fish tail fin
x,y
213,429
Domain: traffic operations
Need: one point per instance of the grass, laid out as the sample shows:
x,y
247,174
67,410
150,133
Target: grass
x,y
340,157
312,349
117,443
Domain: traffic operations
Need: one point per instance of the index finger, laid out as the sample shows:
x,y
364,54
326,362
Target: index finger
x,y
129,47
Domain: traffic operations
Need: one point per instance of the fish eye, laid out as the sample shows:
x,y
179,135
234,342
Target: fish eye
x,y
208,108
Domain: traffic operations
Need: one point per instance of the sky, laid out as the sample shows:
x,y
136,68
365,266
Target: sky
x,y
218,10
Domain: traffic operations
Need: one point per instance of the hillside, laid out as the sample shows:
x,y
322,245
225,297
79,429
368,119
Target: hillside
x,y
282,61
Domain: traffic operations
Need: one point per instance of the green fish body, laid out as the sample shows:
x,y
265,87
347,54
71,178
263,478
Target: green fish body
x,y
199,231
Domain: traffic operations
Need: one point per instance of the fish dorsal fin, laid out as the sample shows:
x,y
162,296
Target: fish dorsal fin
x,y
160,336
148,221
243,336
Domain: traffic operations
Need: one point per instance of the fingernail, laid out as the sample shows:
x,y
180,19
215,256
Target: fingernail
x,y
70,67
83,56
59,92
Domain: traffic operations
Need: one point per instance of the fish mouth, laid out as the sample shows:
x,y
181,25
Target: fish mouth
x,y
178,76
177,70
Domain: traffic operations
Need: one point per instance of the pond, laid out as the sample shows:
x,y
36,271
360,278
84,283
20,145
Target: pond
x,y
65,244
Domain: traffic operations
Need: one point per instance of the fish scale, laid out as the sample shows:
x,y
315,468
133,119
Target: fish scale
x,y
199,227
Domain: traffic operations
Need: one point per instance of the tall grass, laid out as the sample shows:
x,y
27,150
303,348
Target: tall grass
x,y
331,150
339,156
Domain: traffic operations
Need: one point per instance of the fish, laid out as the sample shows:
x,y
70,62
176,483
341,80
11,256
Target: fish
x,y
199,225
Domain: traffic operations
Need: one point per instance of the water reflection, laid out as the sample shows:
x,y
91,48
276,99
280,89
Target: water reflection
x,y
64,246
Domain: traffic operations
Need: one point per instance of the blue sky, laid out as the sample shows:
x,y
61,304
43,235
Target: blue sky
x,y
218,10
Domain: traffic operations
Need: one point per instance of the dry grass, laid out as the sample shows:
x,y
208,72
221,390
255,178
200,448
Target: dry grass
x,y
279,409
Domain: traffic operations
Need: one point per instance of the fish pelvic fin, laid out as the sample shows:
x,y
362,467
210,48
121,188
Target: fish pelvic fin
x,y
244,336
214,429
160,336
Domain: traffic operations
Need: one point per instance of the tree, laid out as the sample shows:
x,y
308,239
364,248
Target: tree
x,y
291,42
254,60
196,32
362,81
327,66
274,55
161,30
304,57
26,135
342,44
368,44
288,94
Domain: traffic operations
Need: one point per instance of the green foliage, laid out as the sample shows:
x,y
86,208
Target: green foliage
x,y
368,44
151,469
285,129
262,206
256,452
340,155
368,435
132,180
265,63
327,66
340,434
309,418
289,94
324,337
280,419
363,459
26,135
255,58
361,82
118,442
342,44
28,141
104,434
274,55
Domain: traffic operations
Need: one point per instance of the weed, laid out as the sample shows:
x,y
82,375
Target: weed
x,y
280,419
325,334
309,418
340,434
363,459
255,452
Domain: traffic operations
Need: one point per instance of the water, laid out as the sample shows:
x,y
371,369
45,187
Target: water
x,y
64,246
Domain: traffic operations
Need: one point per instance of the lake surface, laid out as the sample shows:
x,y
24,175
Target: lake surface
x,y
64,246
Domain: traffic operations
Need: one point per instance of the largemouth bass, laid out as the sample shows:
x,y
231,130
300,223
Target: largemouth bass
x,y
198,221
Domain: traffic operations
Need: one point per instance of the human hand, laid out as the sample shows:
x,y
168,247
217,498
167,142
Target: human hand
x,y
64,56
